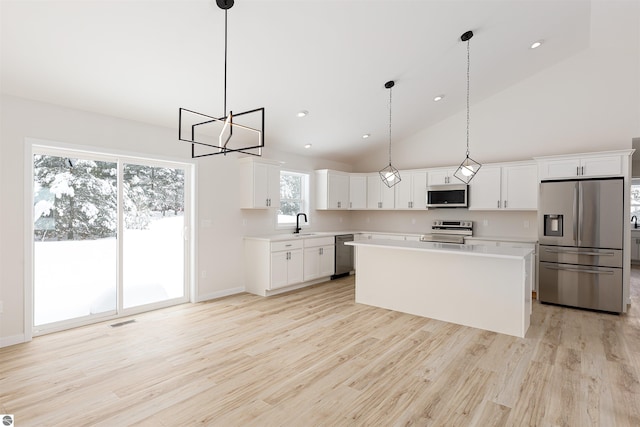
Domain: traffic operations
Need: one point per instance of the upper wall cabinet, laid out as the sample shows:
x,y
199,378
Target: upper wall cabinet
x,y
443,176
357,191
379,196
411,191
332,189
603,164
507,186
259,183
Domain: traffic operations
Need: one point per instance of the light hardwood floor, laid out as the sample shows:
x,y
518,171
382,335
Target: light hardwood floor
x,y
315,358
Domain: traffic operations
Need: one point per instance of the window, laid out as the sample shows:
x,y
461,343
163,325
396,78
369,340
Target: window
x,y
294,196
635,197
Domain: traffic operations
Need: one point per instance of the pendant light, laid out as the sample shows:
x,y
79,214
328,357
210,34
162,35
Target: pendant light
x,y
469,167
390,175
199,129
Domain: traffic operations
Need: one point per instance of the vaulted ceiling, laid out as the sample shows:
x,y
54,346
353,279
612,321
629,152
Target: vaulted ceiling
x,y
142,60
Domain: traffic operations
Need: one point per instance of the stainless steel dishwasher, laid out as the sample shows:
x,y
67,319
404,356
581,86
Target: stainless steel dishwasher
x,y
344,256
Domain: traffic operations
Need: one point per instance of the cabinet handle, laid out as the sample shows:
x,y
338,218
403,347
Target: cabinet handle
x,y
505,204
581,170
577,170
339,204
288,246
350,205
498,203
321,251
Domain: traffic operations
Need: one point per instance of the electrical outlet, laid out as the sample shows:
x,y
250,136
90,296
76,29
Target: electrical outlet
x,y
526,224
485,222
1,306
340,219
244,221
203,274
413,221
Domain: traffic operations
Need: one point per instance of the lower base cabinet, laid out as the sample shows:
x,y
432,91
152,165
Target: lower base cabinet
x,y
278,265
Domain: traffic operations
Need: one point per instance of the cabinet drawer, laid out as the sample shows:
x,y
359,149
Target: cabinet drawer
x,y
319,241
286,245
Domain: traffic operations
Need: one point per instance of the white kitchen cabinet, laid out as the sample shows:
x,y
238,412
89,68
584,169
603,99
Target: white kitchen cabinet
x,y
586,165
319,258
442,176
259,183
286,263
332,189
508,186
379,196
357,191
411,191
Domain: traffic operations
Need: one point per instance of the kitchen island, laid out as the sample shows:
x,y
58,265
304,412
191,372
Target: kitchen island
x,y
485,287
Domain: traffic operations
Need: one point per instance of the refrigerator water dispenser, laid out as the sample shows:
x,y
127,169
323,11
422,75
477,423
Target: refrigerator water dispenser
x,y
553,225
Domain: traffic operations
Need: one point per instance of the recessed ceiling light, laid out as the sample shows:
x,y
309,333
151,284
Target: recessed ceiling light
x,y
302,113
438,98
536,44
307,146
366,135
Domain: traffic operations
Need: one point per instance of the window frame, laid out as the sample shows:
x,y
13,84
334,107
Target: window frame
x,y
304,200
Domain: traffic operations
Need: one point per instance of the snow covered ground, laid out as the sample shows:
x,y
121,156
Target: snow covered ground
x,y
77,278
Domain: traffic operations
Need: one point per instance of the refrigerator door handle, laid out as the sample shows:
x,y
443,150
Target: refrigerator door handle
x,y
578,270
580,212
575,213
555,251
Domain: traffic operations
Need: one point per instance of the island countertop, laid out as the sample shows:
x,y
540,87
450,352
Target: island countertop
x,y
473,250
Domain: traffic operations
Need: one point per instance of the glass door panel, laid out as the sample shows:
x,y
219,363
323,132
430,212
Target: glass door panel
x,y
75,246
153,239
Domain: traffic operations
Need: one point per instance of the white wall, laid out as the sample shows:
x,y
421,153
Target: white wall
x,y
219,249
588,102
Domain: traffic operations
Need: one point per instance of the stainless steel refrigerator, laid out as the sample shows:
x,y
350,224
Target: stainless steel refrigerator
x,y
581,229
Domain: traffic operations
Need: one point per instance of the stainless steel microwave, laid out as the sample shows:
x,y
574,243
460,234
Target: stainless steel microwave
x,y
448,196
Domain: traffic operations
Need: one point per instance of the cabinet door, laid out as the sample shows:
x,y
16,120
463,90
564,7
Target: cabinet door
x,y
520,187
419,190
601,166
338,190
357,192
273,186
387,196
484,189
442,177
279,276
404,191
260,185
327,261
438,177
311,263
560,168
373,191
295,273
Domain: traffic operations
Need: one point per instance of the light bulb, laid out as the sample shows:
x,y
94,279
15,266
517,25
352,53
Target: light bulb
x,y
467,170
390,176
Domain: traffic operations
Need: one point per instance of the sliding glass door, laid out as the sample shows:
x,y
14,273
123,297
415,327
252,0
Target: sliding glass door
x,y
154,228
109,237
75,246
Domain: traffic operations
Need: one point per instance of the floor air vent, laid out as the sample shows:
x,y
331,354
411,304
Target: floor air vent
x,y
126,322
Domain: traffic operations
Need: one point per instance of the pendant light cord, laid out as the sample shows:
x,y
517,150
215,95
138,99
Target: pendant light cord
x,y
468,66
390,90
225,63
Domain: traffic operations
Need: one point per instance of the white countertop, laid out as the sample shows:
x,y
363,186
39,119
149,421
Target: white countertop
x,y
301,235
474,250
505,239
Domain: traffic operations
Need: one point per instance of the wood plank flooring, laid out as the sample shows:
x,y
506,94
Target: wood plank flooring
x,y
315,358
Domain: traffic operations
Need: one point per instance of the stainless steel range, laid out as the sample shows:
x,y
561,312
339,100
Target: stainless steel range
x,y
448,231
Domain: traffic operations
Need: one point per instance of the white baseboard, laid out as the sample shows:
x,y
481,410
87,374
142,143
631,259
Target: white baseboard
x,y
219,294
12,340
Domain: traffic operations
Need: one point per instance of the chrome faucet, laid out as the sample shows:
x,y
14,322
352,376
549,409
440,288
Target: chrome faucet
x,y
298,228
635,221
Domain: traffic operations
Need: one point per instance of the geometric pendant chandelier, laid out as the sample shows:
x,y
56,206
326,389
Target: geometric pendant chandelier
x,y
469,167
233,132
389,174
